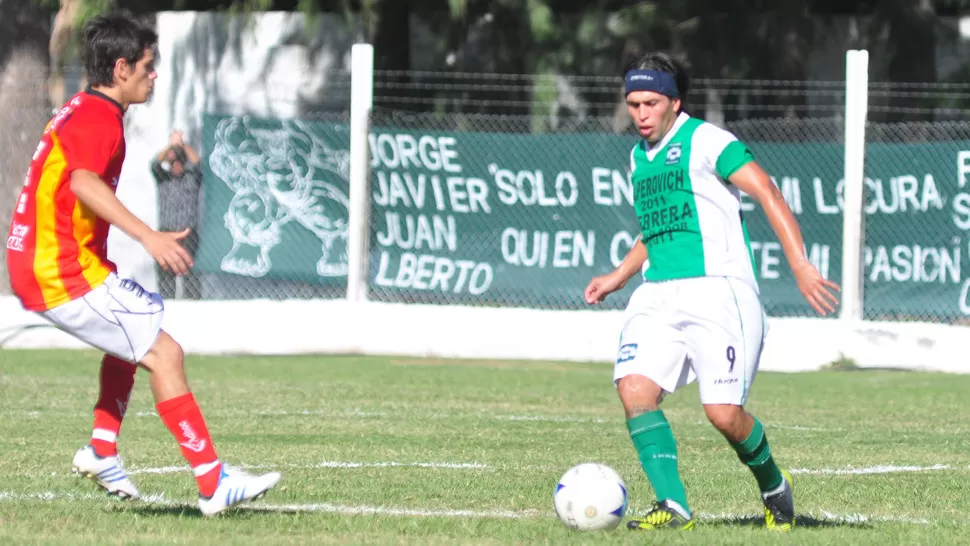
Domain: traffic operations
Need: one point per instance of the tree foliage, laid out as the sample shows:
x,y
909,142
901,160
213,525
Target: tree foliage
x,y
730,39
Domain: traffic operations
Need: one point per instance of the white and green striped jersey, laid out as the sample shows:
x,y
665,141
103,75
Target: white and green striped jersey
x,y
690,215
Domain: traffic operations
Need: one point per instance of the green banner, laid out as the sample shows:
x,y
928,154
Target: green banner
x,y
917,213
276,200
498,218
502,219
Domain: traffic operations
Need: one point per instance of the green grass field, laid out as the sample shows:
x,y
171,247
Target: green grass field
x,y
414,451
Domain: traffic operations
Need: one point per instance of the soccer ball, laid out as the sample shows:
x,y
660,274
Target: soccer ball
x,y
590,497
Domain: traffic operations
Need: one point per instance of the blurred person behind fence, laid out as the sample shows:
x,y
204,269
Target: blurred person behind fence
x,y
179,178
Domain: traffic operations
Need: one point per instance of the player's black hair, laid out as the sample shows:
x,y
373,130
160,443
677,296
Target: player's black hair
x,y
665,63
112,36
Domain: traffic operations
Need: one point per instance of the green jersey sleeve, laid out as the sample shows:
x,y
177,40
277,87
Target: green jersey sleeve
x,y
734,156
723,153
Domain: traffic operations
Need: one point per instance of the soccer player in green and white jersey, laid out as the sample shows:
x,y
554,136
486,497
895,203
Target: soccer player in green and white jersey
x,y
698,314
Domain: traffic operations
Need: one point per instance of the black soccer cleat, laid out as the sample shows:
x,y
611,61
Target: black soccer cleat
x,y
780,507
661,516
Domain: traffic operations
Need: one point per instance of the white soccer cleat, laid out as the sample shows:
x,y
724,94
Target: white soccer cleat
x,y
236,486
108,472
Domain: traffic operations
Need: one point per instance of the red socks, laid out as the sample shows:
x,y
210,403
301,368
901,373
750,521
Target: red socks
x,y
181,415
184,420
117,380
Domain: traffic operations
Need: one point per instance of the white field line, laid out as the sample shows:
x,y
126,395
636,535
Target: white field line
x,y
429,415
547,418
439,415
160,470
882,469
350,413
324,464
288,413
340,413
354,413
862,518
7,496
532,418
801,428
770,426
160,500
391,511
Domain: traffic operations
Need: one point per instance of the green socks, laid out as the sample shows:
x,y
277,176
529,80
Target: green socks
x,y
657,449
756,453
655,444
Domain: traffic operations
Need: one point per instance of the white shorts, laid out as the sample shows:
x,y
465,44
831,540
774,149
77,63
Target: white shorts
x,y
711,329
119,317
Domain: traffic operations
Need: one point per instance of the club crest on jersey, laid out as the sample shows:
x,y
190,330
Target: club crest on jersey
x,y
673,154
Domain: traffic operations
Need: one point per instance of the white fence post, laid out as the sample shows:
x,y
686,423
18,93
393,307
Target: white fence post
x,y
361,102
853,227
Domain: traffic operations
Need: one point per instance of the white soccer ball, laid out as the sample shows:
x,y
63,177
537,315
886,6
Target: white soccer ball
x,y
590,497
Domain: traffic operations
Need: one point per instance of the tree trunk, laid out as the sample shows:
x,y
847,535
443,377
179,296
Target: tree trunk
x,y
65,27
392,47
512,44
790,39
24,110
912,39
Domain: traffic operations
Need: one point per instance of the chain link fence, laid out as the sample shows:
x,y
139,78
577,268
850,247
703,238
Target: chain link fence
x,y
499,190
486,199
917,213
499,197
805,158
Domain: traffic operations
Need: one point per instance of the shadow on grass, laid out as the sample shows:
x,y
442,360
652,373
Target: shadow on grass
x,y
190,511
167,510
801,522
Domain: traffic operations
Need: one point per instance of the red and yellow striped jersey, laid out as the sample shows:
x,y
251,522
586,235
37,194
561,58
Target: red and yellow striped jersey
x,y
57,247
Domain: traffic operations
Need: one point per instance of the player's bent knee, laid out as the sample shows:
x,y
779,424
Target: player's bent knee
x,y
165,354
726,418
639,394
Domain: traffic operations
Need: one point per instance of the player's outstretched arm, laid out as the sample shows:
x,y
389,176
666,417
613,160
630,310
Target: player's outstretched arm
x,y
163,246
604,285
754,181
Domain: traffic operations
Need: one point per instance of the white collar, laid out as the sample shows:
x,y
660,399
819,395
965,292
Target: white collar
x,y
652,150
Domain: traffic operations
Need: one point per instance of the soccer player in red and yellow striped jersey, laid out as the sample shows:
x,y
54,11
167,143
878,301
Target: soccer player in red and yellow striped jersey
x,y
57,249
59,268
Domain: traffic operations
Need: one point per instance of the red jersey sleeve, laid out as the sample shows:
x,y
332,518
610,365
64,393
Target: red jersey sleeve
x,y
89,143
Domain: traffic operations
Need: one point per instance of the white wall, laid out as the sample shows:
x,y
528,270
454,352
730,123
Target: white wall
x,y
340,327
209,62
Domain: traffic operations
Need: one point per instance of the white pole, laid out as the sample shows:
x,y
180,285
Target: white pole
x,y
361,102
853,227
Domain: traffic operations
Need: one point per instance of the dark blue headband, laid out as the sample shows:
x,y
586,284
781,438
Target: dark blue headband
x,y
651,80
